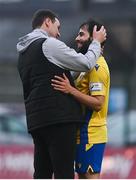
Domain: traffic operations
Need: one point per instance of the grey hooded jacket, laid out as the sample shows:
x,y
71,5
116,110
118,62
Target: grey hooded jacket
x,y
60,54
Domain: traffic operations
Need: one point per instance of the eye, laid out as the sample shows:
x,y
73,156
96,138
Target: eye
x,y
81,34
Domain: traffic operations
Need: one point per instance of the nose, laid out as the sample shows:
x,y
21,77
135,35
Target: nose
x,y
77,38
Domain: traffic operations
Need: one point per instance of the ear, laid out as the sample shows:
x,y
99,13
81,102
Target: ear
x,y
47,22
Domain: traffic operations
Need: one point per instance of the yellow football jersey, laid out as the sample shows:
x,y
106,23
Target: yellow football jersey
x,y
95,82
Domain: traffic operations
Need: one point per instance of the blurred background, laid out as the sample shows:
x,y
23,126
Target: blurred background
x,y
119,17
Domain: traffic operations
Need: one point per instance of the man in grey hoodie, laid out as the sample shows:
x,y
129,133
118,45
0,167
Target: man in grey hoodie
x,y
52,117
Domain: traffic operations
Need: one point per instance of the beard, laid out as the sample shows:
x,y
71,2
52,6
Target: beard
x,y
84,47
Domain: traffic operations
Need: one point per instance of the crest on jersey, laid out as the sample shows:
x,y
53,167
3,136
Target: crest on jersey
x,y
97,66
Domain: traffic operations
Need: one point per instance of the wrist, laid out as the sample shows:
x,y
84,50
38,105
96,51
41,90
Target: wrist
x,y
72,90
96,41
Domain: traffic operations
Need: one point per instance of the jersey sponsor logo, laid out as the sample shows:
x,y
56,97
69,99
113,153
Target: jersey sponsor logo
x,y
95,86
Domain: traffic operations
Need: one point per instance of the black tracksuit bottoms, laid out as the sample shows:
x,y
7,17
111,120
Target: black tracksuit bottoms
x,y
54,151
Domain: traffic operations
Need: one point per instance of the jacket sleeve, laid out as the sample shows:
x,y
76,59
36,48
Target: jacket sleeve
x,y
60,54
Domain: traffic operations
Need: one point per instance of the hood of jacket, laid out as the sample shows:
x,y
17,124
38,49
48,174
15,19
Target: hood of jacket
x,y
26,40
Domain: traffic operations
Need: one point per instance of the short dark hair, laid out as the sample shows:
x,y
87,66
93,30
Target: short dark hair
x,y
89,24
40,15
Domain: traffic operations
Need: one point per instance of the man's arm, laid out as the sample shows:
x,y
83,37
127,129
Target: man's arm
x,y
92,102
58,53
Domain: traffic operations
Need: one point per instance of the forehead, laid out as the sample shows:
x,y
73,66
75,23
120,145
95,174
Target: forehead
x,y
84,30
